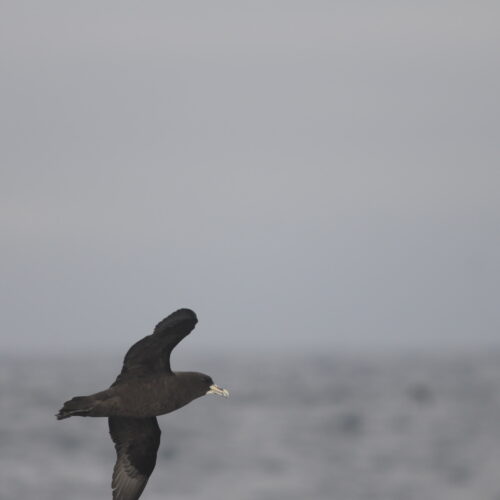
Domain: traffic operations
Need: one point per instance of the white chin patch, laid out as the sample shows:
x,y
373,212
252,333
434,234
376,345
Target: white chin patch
x,y
218,391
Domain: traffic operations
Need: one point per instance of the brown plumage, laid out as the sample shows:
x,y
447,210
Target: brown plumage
x,y
145,388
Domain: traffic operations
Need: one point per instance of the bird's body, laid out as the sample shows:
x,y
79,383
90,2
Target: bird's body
x,y
145,388
138,398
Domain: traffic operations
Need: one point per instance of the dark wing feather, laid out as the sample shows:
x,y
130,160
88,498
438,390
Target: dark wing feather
x,y
136,443
152,354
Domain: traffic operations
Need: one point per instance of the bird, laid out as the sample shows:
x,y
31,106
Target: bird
x,y
145,388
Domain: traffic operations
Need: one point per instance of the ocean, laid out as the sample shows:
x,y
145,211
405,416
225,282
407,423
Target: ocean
x,y
315,427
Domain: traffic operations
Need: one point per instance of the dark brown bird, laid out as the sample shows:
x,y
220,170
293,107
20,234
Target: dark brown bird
x,y
145,388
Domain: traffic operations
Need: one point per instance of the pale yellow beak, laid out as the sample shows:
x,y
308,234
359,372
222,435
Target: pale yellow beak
x,y
219,391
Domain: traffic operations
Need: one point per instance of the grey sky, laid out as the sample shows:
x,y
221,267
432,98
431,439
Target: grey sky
x,y
321,174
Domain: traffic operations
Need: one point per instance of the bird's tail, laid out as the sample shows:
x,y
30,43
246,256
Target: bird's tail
x,y
78,406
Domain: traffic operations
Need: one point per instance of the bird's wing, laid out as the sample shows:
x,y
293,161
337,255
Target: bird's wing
x,y
136,443
152,354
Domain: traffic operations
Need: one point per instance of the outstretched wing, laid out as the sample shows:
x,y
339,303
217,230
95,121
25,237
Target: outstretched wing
x,y
152,354
136,443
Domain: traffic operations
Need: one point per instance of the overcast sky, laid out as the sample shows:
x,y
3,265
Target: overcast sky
x,y
314,174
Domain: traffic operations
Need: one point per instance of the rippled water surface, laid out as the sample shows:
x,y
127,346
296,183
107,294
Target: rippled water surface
x,y
316,427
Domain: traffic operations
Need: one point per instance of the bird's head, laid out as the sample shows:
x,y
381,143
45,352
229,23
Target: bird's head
x,y
202,384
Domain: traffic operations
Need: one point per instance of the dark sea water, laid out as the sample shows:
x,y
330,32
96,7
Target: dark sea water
x,y
314,427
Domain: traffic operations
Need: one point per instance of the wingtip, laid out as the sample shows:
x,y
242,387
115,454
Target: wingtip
x,y
182,314
185,311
